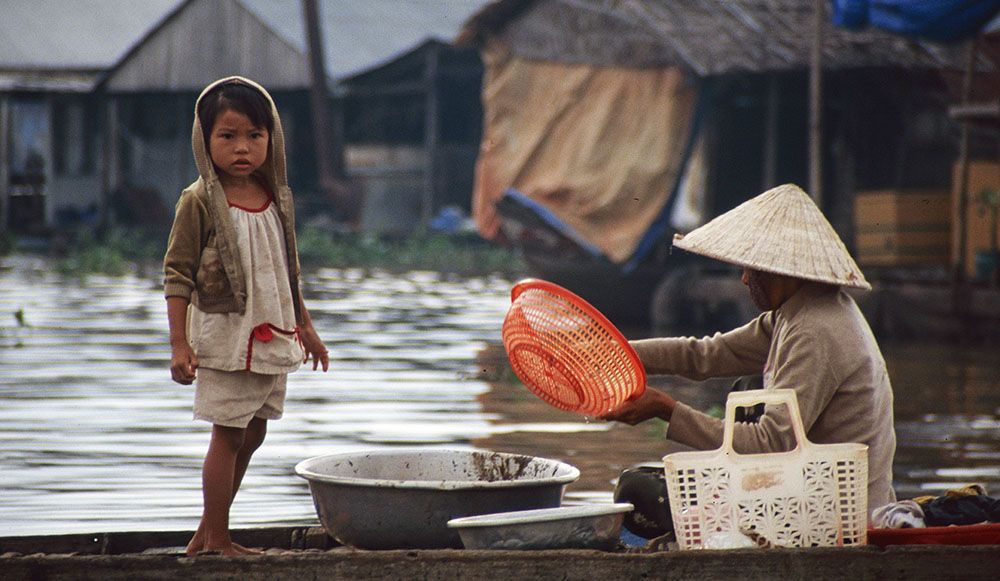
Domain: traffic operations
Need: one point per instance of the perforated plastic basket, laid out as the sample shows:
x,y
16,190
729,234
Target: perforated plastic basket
x,y
566,352
813,496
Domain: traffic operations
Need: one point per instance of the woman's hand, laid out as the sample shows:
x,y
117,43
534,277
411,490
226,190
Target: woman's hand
x,y
183,363
314,347
651,404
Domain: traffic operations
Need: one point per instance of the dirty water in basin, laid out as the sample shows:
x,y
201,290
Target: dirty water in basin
x,y
95,437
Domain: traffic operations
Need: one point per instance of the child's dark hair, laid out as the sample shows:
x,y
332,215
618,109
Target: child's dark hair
x,y
238,97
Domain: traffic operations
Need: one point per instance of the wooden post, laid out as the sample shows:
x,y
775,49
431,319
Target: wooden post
x,y
430,133
4,162
110,163
816,105
329,154
961,188
771,112
183,143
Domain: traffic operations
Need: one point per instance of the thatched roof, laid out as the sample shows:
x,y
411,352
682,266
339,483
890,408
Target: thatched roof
x,y
708,37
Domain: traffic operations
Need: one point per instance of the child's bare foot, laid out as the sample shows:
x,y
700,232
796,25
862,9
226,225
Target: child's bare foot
x,y
247,550
196,544
197,547
232,550
225,551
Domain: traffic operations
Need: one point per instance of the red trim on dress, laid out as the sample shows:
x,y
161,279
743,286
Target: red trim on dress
x,y
270,198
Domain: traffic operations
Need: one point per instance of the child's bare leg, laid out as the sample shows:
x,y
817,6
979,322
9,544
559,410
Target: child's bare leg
x,y
253,438
217,478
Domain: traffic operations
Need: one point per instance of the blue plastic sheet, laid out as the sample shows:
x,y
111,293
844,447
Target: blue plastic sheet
x,y
936,20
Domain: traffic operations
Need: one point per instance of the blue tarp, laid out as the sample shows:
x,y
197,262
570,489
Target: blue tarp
x,y
529,214
936,20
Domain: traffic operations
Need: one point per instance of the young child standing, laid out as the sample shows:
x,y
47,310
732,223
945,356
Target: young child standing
x,y
234,302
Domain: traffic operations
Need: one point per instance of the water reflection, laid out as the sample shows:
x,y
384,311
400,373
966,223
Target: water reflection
x,y
94,436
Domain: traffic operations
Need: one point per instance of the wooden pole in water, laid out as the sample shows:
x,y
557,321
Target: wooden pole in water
x,y
4,162
962,186
772,103
816,105
111,165
430,133
327,139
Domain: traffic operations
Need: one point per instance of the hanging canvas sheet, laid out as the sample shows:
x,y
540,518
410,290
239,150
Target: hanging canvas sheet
x,y
601,148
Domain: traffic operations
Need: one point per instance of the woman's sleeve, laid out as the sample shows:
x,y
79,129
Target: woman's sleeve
x,y
742,351
804,366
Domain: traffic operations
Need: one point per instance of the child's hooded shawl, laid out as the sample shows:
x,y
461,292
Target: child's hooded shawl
x,y
203,220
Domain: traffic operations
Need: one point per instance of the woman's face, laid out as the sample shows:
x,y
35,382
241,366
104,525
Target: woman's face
x,y
757,282
237,147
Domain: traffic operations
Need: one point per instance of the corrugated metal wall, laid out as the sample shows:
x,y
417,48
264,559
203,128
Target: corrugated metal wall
x,y
197,46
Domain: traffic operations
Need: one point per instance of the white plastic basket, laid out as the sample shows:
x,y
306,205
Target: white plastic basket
x,y
815,495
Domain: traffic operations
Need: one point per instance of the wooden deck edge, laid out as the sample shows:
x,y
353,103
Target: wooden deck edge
x,y
858,564
119,543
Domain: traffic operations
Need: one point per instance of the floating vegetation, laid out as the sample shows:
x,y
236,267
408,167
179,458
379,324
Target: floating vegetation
x,y
116,252
7,243
466,255
121,251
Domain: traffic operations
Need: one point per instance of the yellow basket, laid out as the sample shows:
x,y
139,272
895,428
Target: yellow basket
x,y
815,495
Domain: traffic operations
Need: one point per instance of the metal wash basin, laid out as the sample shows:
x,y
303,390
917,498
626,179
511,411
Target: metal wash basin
x,y
404,498
594,526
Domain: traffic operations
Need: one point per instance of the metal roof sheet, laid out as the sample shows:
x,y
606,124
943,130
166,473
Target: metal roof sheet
x,y
74,34
94,35
359,35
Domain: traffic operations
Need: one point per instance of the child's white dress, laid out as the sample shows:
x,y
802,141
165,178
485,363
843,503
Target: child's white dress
x,y
223,340
263,341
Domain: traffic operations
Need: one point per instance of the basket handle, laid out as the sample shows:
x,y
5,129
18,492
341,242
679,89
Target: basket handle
x,y
738,399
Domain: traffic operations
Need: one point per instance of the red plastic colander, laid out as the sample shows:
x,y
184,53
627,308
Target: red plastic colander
x,y
567,353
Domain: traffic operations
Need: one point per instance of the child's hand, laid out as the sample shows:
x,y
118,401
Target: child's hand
x,y
183,363
314,347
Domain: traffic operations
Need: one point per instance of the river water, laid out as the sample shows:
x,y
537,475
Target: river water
x,y
95,437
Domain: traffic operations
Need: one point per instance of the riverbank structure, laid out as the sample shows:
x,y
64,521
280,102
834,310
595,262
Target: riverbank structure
x,y
97,98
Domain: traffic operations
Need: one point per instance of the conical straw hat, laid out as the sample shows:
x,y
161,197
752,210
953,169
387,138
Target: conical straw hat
x,y
780,231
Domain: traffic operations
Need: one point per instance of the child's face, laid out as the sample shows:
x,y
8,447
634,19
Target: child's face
x,y
237,147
